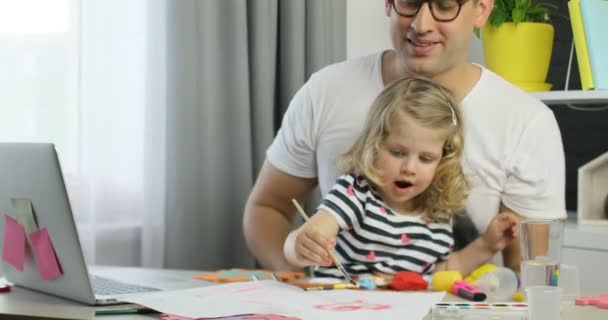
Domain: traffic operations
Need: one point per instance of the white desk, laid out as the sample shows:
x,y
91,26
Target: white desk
x,y
31,304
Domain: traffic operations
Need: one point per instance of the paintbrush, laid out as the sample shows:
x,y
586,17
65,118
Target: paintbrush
x,y
331,254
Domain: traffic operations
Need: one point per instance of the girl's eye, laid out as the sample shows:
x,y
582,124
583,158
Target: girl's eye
x,y
426,159
396,152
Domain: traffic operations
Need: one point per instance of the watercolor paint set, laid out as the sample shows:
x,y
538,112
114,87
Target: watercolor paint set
x,y
479,311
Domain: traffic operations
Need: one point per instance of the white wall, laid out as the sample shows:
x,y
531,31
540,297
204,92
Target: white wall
x,y
367,30
366,27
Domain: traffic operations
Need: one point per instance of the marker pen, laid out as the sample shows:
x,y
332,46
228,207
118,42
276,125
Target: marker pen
x,y
319,288
462,289
332,287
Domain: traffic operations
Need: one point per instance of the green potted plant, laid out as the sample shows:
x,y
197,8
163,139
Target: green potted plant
x,y
518,40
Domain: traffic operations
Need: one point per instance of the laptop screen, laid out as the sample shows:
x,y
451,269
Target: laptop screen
x,y
31,173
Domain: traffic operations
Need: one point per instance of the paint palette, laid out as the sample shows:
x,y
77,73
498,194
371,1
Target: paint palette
x,y
242,275
479,311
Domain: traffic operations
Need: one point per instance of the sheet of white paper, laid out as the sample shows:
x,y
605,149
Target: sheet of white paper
x,y
271,297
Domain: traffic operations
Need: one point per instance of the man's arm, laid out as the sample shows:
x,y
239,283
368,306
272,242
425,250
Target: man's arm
x,y
269,214
510,255
535,178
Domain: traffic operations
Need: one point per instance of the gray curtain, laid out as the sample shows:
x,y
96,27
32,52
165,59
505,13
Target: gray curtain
x,y
232,67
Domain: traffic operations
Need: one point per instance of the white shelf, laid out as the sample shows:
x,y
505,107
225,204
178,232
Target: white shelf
x,y
589,237
573,97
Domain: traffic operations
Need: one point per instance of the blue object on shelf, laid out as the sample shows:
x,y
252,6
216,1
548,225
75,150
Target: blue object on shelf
x,y
595,24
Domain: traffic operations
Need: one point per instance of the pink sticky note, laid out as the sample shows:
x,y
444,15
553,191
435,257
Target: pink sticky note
x,y
13,247
45,254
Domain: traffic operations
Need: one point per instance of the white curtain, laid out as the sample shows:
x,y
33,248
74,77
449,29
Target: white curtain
x,y
88,76
232,68
161,112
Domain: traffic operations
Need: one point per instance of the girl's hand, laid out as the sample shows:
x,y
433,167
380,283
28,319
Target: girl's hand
x,y
306,246
501,231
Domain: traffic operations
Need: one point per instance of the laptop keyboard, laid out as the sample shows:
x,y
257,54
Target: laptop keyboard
x,y
105,287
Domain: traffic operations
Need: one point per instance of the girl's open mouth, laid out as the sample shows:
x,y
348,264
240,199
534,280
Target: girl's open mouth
x,y
402,184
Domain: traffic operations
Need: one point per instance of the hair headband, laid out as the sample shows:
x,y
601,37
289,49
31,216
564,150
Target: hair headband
x,y
454,121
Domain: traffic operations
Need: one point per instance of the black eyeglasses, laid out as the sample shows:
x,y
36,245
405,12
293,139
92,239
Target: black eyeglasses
x,y
441,10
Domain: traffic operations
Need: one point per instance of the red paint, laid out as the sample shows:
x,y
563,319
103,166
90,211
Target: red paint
x,y
352,306
407,280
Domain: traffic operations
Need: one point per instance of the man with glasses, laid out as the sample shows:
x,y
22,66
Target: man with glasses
x,y
442,11
513,150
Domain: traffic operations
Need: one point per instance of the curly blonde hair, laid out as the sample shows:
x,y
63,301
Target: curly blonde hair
x,y
432,106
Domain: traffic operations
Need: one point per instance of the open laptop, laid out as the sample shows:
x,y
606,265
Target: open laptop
x,y
32,171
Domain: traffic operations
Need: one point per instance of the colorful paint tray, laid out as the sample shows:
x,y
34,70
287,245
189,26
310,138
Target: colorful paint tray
x,y
479,311
242,275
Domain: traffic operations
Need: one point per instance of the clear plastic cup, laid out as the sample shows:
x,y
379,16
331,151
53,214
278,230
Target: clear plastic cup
x,y
544,302
499,284
541,245
569,281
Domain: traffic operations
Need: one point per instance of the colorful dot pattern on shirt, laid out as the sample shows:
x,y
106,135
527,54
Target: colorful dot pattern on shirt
x,y
375,238
371,256
351,191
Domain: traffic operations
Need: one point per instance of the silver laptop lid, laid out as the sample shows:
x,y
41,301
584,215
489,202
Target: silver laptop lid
x,y
32,171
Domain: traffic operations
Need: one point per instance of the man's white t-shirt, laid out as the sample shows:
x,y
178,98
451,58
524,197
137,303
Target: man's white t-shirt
x,y
513,148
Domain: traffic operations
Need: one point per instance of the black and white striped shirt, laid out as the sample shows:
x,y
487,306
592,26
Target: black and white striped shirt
x,y
373,237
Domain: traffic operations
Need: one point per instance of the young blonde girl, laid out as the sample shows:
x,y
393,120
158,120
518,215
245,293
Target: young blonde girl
x,y
392,209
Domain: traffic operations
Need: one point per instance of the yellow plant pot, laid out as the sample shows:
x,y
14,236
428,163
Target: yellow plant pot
x,y
519,53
